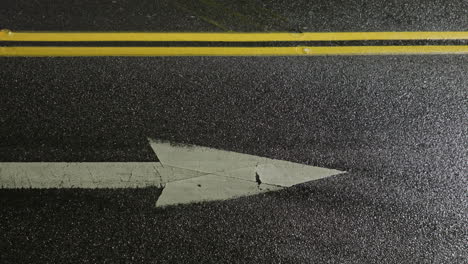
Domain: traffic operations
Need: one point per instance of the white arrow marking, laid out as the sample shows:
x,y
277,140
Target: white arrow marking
x,y
187,173
228,174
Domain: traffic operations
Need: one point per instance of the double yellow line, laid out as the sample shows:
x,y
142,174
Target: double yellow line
x,y
102,37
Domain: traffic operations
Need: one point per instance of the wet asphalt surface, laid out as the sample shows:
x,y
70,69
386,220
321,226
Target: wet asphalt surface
x,y
239,15
397,124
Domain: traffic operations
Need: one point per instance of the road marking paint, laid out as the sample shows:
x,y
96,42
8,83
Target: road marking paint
x,y
187,174
209,188
238,165
77,175
89,174
228,174
7,35
227,51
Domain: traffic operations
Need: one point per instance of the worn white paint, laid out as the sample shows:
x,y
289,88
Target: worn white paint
x,y
287,174
209,188
228,174
89,174
238,165
199,158
187,174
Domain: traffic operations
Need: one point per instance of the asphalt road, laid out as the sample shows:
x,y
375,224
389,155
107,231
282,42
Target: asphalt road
x,y
240,15
397,124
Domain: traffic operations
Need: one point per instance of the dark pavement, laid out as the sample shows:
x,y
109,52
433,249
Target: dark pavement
x,y
239,15
397,124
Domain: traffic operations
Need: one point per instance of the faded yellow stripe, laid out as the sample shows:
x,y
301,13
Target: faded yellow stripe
x,y
6,35
228,51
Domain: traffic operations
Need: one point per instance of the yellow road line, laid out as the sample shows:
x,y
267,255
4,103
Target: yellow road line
x,y
228,51
6,35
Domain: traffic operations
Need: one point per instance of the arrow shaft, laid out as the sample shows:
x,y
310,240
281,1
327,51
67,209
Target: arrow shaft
x,y
89,174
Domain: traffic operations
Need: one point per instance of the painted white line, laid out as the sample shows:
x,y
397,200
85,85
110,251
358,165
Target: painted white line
x,y
89,174
187,173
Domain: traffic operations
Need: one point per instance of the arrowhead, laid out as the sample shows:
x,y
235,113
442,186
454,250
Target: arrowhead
x,y
227,174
